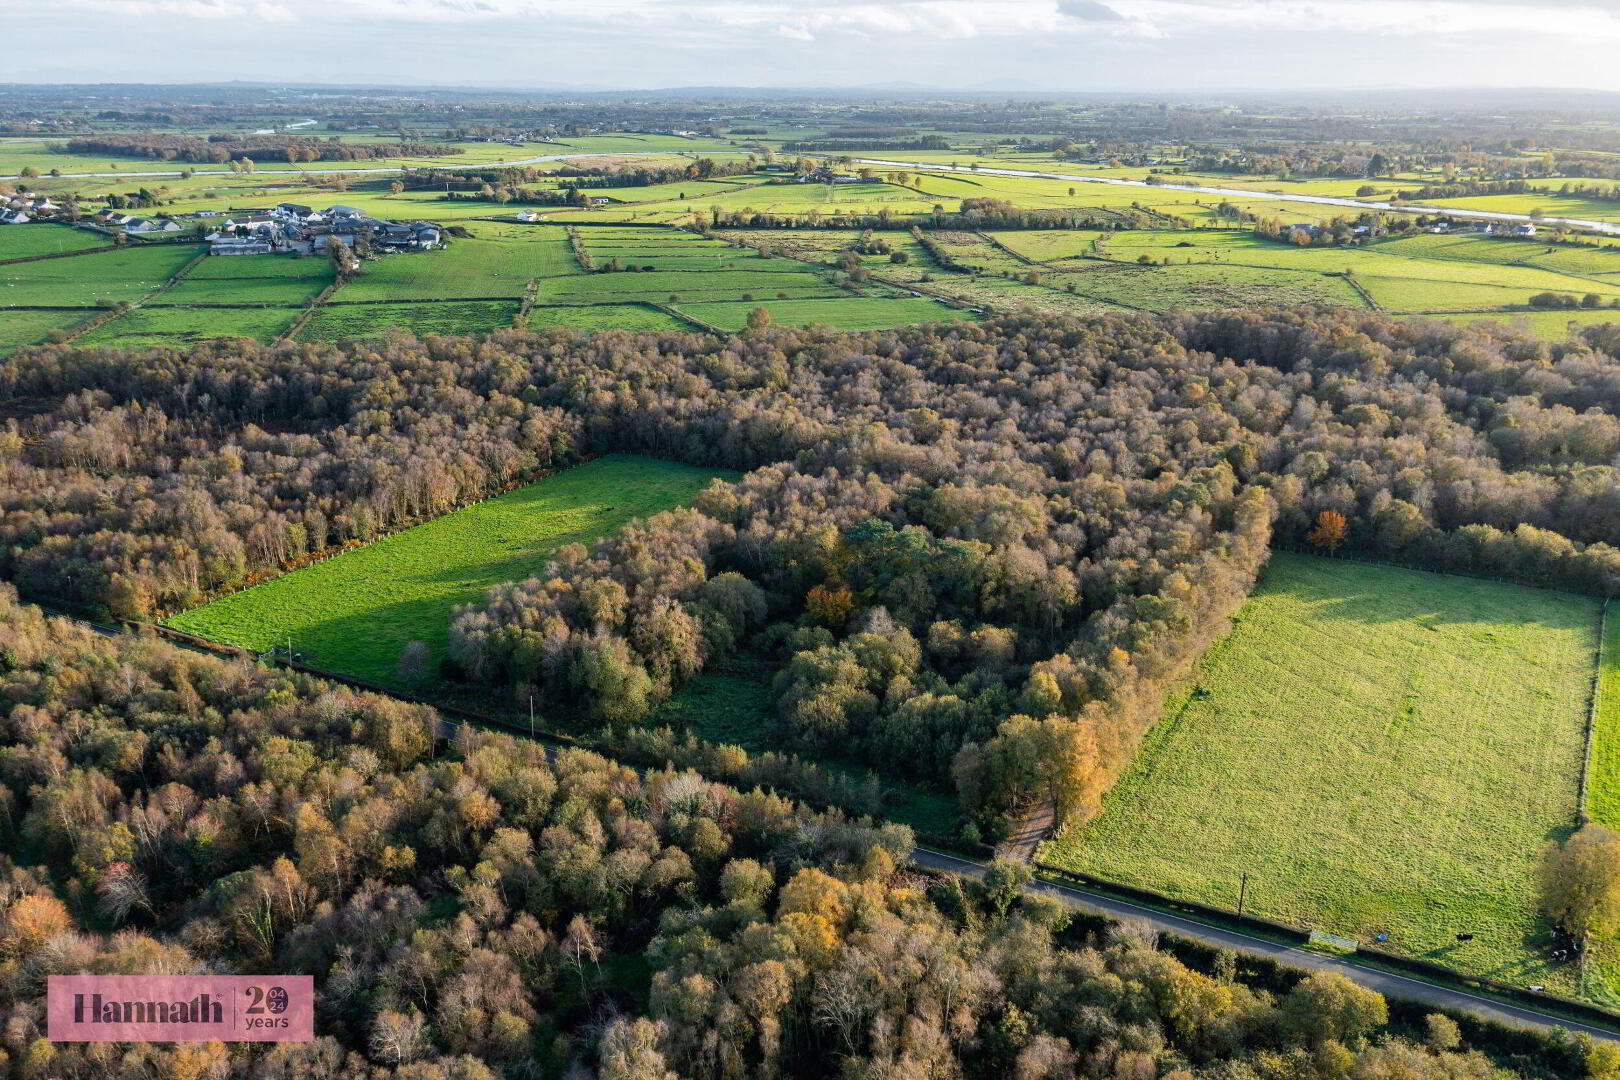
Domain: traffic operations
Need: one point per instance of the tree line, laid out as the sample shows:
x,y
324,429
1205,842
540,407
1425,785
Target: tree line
x,y
219,149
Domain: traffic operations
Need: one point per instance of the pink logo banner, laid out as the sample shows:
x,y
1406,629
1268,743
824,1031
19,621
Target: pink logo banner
x,y
180,1008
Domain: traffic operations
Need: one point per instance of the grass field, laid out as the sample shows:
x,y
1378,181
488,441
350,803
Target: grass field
x,y
19,328
852,313
150,327
467,268
1603,781
660,285
87,280
635,317
43,238
354,613
1381,750
1550,325
337,321
278,291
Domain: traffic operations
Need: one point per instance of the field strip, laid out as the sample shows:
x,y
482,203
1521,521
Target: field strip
x,y
1600,780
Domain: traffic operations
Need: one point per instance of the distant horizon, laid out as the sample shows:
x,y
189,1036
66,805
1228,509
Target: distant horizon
x,y
895,88
1049,46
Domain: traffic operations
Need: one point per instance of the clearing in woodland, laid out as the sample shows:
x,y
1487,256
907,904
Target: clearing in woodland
x,y
354,613
1381,751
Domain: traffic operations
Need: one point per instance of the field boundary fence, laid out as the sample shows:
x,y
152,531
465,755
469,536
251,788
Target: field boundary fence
x,y
58,255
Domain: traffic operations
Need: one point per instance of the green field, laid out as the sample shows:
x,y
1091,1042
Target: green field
x,y
19,328
150,327
635,317
337,321
467,268
278,267
87,280
354,613
1380,750
852,313
280,292
660,285
44,238
1603,781
1550,325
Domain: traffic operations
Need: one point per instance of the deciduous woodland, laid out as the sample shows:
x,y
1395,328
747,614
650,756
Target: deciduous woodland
x,y
462,904
977,554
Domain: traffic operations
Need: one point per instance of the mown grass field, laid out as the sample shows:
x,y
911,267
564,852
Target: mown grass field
x,y
355,612
337,321
1381,750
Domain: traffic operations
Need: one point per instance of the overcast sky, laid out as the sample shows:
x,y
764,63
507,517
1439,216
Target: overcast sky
x,y
1048,44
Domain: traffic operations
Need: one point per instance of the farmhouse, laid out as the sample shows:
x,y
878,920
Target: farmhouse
x,y
151,225
240,247
14,217
296,227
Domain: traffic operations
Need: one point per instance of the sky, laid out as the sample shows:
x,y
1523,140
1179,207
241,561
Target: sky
x,y
1132,45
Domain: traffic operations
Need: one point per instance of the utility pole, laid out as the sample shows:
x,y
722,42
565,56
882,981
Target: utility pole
x,y
1243,892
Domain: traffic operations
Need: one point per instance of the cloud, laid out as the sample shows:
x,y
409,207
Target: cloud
x,y
1088,11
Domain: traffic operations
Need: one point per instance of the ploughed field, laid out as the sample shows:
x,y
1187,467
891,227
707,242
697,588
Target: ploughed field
x,y
1382,751
355,612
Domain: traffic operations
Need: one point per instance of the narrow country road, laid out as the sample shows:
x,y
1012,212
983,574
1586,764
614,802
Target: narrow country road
x,y
1385,982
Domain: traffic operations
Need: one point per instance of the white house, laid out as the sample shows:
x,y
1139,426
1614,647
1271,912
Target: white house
x,y
14,217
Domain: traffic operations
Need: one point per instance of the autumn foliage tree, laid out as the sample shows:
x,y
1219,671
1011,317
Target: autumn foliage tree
x,y
1329,531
